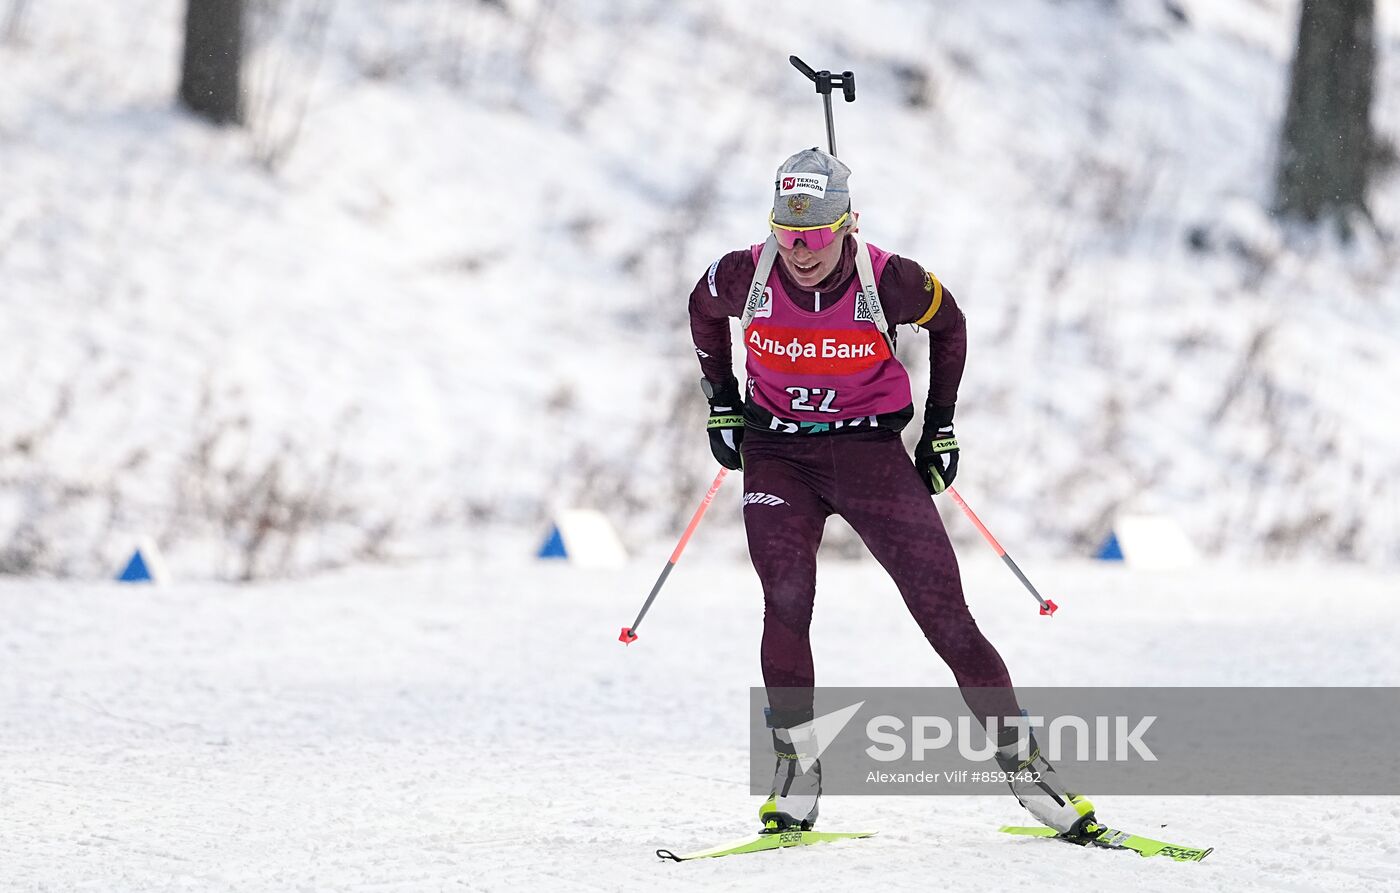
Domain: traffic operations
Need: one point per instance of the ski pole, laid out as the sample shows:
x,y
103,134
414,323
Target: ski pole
x,y
1047,607
825,80
629,633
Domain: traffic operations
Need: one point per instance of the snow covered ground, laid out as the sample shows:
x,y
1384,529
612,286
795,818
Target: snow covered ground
x,y
477,726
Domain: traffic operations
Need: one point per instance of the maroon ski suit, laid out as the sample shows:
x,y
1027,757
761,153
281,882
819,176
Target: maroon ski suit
x,y
793,482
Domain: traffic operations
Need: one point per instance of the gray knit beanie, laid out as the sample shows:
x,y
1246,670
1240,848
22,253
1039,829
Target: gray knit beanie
x,y
810,189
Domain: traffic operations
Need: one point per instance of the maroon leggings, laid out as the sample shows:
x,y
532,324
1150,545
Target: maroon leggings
x,y
791,484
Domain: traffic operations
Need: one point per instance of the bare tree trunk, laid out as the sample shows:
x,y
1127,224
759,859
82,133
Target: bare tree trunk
x,y
209,80
1327,143
14,22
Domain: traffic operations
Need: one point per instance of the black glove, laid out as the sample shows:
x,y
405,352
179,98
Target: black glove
x,y
936,456
726,424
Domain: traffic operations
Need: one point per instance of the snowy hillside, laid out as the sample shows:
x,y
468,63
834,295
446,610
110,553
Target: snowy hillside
x,y
438,285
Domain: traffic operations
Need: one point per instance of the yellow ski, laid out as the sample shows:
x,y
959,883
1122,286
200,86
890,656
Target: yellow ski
x,y
765,840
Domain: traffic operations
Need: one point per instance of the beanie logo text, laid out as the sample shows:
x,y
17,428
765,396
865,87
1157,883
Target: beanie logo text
x,y
805,184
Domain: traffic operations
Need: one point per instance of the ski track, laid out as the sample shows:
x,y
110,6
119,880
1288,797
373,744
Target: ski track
x,y
479,728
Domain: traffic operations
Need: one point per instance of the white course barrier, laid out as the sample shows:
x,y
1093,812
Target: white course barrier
x,y
1148,542
584,537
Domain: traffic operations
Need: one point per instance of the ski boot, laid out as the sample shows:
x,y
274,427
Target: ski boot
x,y
797,782
1037,786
